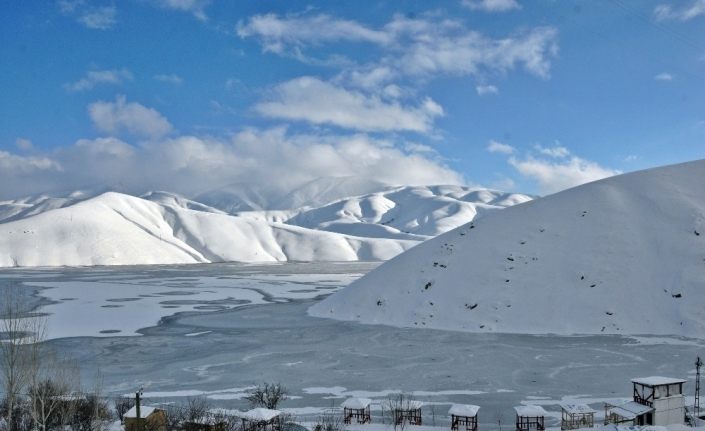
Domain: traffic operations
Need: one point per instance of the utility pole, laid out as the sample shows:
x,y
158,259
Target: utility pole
x,y
696,405
137,404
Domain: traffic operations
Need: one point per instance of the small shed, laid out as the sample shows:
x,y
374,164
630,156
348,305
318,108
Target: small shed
x,y
463,415
574,416
665,395
530,418
630,412
261,419
151,418
357,409
409,412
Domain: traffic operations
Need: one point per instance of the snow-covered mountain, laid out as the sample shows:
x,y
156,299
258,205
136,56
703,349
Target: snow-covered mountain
x,y
163,227
405,212
117,229
236,198
621,255
32,205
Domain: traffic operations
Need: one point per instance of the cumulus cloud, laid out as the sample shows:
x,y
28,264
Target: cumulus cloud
x,y
664,77
169,78
191,165
491,5
96,77
695,9
498,147
137,119
483,90
13,164
420,47
556,169
312,100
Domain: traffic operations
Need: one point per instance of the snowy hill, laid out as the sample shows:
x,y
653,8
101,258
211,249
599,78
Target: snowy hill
x,y
164,227
117,229
236,198
405,212
621,255
32,205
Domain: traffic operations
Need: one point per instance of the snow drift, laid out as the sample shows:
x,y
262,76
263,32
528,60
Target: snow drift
x,y
621,255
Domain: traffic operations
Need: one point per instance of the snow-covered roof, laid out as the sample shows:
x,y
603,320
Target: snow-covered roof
x,y
356,403
577,408
144,412
468,410
630,410
530,411
657,381
260,414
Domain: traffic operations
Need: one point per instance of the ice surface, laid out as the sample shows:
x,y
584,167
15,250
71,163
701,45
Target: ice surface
x,y
323,361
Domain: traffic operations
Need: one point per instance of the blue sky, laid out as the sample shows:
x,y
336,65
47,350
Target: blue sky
x,y
191,95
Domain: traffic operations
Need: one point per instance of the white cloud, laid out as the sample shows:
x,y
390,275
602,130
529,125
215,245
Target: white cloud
x,y
133,117
560,171
169,78
695,9
191,164
24,144
195,7
557,152
498,147
422,46
276,34
111,147
483,90
318,102
96,77
13,164
491,5
664,77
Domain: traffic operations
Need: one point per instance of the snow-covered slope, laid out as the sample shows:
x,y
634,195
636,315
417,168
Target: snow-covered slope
x,y
621,255
117,229
164,227
32,205
178,201
405,212
239,197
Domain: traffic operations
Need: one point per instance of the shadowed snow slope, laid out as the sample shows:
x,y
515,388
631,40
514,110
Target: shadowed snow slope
x,y
117,229
621,255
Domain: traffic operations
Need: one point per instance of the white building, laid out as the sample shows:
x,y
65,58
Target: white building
x,y
664,395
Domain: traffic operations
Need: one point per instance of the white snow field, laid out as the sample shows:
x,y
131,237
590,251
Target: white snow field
x,y
621,255
165,228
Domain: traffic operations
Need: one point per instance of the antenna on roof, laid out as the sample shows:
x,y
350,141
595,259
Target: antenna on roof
x,y
696,405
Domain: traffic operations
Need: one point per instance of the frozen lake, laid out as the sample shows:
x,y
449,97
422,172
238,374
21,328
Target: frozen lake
x,y
214,330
